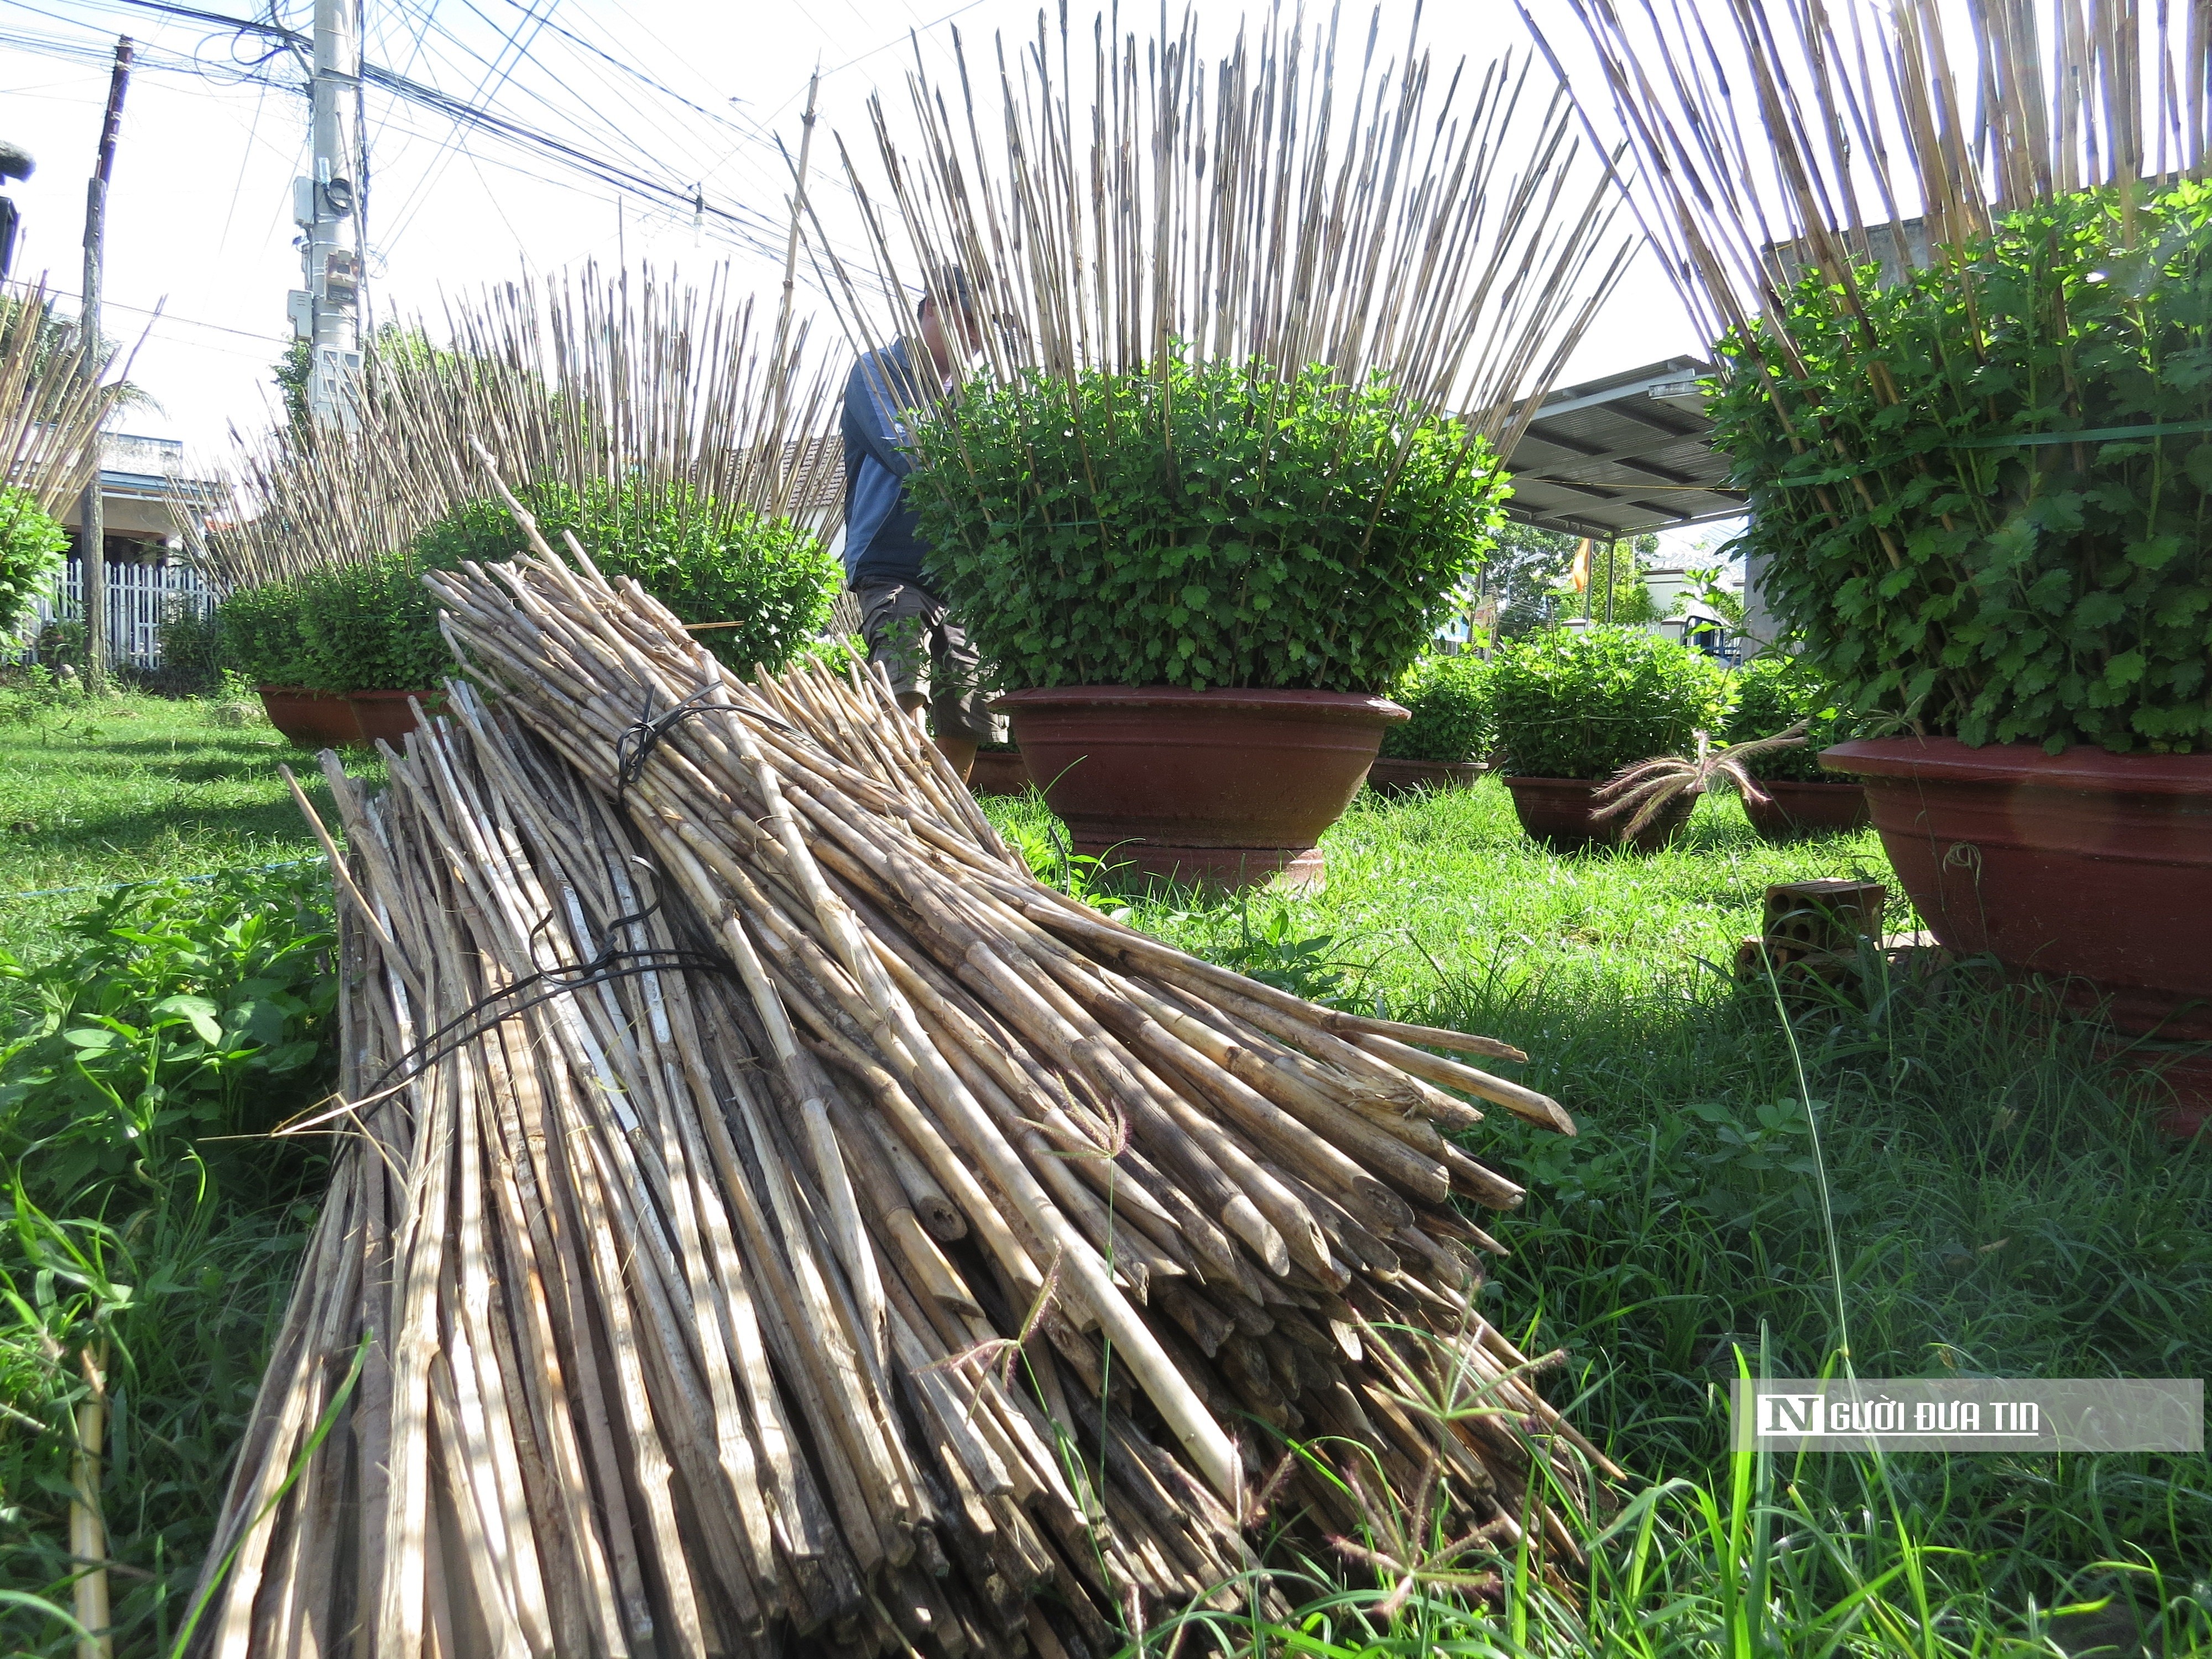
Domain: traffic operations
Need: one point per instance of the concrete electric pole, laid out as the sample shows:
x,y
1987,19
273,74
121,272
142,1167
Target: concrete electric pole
x,y
92,518
327,312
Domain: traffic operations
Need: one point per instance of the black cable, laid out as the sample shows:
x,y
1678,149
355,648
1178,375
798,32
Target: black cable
x,y
637,743
445,103
612,962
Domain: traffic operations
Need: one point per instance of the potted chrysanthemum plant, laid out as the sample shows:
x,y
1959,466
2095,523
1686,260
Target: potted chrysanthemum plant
x,y
1200,508
1970,405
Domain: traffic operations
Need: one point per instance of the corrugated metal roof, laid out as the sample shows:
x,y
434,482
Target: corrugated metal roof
x,y
1623,455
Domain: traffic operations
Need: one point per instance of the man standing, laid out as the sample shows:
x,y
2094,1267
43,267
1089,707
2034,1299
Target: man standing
x,y
922,650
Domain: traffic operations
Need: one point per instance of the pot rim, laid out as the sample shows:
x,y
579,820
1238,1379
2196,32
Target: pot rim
x,y
2081,768
424,695
1327,705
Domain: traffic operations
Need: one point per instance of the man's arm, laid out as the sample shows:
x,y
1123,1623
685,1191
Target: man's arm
x,y
872,417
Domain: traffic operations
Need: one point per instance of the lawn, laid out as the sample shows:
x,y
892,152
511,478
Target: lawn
x,y
1999,1206
117,790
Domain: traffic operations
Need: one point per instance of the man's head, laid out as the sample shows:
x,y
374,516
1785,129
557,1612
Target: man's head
x,y
950,325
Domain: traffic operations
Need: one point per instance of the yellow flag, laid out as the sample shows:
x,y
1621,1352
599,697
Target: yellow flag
x,y
1579,580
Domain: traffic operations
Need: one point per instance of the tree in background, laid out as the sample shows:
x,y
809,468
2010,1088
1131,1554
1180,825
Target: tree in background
x,y
291,378
1524,571
1529,573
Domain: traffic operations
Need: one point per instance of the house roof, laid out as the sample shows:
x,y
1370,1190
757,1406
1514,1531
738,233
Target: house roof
x,y
1623,455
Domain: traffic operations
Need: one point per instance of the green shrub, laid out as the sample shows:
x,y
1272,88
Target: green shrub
x,y
186,1011
191,649
1584,702
30,544
705,563
1772,694
152,1221
1208,525
1937,566
372,626
260,632
1451,704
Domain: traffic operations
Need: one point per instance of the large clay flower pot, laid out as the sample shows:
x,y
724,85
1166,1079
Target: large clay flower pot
x,y
999,772
1558,813
1229,788
1796,807
313,720
386,714
1398,778
2086,866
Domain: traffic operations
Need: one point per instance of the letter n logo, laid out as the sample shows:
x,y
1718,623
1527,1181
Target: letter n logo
x,y
1789,1414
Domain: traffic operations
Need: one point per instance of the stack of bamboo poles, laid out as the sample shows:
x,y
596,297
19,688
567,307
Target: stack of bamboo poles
x,y
600,378
770,1211
52,400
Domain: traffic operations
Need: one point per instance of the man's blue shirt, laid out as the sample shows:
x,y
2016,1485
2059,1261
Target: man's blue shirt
x,y
882,544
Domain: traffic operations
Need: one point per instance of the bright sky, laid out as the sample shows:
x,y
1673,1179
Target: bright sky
x,y
199,221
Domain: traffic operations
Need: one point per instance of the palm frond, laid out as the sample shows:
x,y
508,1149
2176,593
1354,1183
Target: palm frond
x,y
52,401
1650,786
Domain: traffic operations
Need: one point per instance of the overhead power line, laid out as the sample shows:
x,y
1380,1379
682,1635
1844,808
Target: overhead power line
x,y
751,228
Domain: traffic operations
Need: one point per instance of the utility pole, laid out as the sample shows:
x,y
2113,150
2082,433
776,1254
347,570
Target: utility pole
x,y
327,312
92,518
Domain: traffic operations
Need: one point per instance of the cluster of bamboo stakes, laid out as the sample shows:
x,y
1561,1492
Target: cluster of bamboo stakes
x,y
1832,136
52,399
601,377
1378,213
766,1209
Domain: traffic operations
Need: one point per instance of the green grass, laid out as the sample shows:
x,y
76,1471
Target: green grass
x,y
2000,1206
128,787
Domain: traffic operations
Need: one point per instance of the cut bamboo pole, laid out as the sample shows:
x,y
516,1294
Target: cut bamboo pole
x,y
760,1199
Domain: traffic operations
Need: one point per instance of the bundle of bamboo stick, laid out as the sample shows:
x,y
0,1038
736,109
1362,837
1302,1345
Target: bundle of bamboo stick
x,y
598,377
768,1209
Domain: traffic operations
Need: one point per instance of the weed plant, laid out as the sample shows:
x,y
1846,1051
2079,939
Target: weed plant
x,y
2000,1206
154,1229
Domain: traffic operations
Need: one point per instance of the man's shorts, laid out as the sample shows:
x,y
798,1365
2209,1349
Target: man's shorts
x,y
926,654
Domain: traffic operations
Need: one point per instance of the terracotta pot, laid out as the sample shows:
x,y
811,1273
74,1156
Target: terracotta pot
x,y
313,720
385,715
1558,813
2083,865
999,772
1229,789
1800,808
1399,778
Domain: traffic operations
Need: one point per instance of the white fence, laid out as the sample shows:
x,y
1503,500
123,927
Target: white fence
x,y
139,596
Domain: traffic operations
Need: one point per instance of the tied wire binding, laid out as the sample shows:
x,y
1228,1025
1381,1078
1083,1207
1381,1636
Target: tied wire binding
x,y
637,742
613,962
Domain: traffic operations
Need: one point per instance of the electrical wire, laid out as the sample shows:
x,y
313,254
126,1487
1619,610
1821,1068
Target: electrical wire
x,y
645,176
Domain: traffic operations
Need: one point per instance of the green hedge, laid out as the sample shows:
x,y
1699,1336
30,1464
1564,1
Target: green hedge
x,y
373,626
704,561
1199,525
1584,702
1772,694
31,549
1934,563
1451,704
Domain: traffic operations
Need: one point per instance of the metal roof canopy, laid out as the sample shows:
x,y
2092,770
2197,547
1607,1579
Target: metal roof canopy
x,y
1618,456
